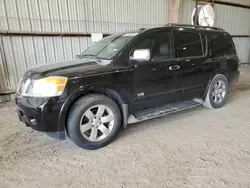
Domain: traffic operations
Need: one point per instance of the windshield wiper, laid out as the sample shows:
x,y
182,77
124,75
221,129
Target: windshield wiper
x,y
91,56
83,55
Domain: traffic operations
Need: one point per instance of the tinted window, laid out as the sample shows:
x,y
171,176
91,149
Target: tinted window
x,y
159,45
222,44
189,44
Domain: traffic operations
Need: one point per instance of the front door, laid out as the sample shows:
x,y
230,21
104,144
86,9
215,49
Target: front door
x,y
156,82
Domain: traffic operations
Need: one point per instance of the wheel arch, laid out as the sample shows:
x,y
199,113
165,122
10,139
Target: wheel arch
x,y
224,72
121,99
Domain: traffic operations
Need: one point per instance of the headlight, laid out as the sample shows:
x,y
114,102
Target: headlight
x,y
45,87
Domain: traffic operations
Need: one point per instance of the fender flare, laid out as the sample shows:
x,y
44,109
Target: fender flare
x,y
224,72
121,101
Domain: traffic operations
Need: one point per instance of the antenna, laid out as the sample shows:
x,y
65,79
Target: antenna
x,y
205,16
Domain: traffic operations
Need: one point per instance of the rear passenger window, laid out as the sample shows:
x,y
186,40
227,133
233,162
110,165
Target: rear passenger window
x,y
190,44
222,44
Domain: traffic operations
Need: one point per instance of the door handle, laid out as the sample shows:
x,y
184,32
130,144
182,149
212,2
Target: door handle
x,y
208,61
175,67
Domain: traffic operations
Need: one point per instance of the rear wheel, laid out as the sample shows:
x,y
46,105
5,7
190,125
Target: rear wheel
x,y
217,93
93,121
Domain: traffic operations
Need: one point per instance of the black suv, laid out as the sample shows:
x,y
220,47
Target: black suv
x,y
127,78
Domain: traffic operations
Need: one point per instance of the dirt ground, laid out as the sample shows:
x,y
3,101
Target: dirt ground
x,y
196,148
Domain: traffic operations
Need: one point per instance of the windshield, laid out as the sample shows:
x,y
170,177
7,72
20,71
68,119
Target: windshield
x,y
109,46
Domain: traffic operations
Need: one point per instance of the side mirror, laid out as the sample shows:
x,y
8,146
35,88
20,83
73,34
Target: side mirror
x,y
141,55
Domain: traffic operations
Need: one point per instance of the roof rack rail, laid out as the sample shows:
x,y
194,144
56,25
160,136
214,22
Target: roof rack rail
x,y
189,25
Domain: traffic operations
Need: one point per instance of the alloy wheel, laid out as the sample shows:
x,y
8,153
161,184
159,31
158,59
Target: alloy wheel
x,y
96,123
219,91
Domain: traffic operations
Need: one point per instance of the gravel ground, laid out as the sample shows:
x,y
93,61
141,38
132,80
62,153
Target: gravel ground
x,y
195,148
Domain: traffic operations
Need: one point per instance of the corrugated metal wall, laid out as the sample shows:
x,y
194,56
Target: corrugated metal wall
x,y
235,20
21,53
106,16
17,53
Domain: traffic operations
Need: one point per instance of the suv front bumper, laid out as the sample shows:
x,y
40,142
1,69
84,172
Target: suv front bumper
x,y
41,114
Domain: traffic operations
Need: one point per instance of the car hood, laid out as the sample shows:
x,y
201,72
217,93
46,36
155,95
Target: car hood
x,y
72,68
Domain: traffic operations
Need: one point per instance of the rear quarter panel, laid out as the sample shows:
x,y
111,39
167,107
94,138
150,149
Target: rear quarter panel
x,y
220,64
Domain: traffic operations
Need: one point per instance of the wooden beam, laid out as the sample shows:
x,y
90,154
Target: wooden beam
x,y
7,92
225,3
173,11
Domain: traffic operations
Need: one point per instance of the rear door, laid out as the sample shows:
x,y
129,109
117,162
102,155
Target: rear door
x,y
192,50
156,82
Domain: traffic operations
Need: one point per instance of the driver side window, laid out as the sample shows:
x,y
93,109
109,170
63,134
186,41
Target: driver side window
x,y
159,45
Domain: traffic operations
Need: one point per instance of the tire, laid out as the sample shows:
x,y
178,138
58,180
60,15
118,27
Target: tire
x,y
81,117
211,96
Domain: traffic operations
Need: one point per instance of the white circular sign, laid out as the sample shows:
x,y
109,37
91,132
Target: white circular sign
x,y
205,15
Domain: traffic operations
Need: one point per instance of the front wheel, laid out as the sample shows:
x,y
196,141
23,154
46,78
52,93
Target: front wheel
x,y
93,121
217,93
